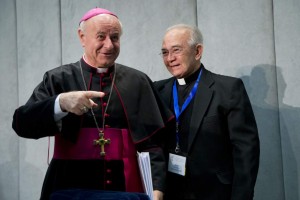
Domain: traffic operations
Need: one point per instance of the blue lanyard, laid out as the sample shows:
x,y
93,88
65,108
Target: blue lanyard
x,y
179,111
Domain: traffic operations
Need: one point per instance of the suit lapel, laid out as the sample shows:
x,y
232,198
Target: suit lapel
x,y
201,102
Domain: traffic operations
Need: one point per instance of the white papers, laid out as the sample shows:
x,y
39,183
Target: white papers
x,y
145,169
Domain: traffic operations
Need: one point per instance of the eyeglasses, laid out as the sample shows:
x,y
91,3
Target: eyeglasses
x,y
175,51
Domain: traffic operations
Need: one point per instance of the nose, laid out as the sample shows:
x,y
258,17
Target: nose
x,y
170,57
108,43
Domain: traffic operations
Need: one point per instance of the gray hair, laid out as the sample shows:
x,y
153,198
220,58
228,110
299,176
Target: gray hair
x,y
195,34
82,25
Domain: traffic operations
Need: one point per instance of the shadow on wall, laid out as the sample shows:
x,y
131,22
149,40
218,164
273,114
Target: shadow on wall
x,y
290,141
277,124
19,178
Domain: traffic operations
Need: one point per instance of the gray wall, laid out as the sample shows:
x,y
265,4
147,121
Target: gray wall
x,y
256,40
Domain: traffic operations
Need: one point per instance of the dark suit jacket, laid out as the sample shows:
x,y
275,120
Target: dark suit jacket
x,y
223,144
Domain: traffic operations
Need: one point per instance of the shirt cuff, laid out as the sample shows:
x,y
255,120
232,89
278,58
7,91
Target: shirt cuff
x,y
58,113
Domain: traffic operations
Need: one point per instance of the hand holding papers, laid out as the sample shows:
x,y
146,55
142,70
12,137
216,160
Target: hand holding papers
x,y
145,169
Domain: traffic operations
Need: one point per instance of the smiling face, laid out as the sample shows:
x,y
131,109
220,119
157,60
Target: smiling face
x,y
180,58
100,38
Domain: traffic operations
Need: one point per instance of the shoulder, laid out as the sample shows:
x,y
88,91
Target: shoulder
x,y
220,79
222,84
129,73
125,69
63,70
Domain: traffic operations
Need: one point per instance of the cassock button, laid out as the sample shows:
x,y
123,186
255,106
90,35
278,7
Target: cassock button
x,y
108,182
106,115
104,104
103,84
108,170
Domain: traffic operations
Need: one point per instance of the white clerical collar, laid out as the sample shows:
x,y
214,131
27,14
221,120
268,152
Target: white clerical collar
x,y
181,81
99,69
102,70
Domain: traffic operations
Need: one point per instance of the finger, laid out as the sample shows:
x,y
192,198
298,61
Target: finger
x,y
93,104
94,94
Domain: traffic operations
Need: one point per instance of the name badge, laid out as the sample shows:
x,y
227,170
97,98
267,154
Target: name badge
x,y
177,164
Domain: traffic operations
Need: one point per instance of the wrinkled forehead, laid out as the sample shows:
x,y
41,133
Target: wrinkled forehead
x,y
176,38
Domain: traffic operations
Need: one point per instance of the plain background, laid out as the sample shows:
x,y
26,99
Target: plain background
x,y
255,40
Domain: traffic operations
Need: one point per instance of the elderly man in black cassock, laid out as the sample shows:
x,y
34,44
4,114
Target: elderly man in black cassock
x,y
100,114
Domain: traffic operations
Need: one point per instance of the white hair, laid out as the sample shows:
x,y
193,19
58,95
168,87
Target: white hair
x,y
195,34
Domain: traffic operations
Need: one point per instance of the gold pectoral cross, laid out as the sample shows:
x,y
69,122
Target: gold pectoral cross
x,y
102,142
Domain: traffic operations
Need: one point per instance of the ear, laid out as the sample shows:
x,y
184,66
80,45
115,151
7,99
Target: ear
x,y
81,36
199,51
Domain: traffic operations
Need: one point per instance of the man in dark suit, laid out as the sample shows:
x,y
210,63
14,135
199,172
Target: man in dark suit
x,y
213,145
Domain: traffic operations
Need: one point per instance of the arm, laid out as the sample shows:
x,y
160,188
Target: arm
x,y
37,118
245,143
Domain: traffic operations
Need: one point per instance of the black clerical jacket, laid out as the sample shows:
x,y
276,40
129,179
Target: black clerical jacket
x,y
222,145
